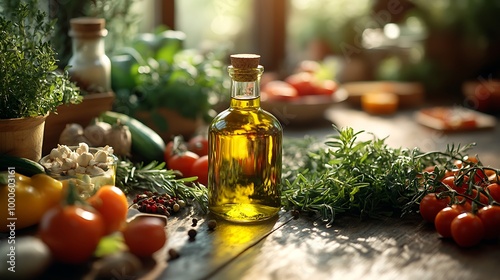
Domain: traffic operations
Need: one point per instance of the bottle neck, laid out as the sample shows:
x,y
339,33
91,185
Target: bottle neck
x,y
245,86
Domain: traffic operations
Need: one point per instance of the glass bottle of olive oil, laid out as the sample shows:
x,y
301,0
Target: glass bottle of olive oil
x,y
245,145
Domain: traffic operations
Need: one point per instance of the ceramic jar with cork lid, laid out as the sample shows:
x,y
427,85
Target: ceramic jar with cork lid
x,y
90,67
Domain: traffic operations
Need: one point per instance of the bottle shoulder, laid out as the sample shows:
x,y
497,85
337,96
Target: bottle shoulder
x,y
256,118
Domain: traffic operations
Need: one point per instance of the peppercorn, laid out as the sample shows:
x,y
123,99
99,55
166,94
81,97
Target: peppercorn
x,y
212,224
173,254
192,234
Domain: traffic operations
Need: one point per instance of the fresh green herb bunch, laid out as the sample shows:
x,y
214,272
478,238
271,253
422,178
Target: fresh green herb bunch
x,y
365,178
30,84
154,177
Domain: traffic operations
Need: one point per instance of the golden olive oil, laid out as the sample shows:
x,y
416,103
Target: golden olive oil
x,y
245,145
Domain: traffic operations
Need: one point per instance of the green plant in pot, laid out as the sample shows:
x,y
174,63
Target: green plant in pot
x,y
31,86
169,88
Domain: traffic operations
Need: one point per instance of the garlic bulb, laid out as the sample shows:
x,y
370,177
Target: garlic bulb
x,y
97,132
120,139
72,134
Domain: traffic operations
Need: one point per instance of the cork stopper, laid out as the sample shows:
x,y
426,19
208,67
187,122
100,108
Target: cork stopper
x,y
245,61
245,67
88,27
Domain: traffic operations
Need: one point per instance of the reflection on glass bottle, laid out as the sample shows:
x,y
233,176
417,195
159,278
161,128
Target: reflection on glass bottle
x,y
245,150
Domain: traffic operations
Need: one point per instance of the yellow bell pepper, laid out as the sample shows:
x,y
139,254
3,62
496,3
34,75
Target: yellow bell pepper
x,y
24,200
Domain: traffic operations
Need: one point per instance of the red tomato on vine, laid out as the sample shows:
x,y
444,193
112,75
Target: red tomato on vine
x,y
198,145
490,216
183,162
200,169
467,230
430,205
444,218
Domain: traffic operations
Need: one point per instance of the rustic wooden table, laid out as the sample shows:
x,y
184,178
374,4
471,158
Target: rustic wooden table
x,y
389,248
287,248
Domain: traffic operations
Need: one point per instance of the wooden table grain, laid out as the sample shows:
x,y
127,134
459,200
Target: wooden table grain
x,y
402,248
352,248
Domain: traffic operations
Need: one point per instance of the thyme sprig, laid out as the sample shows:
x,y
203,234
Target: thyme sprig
x,y
156,178
366,178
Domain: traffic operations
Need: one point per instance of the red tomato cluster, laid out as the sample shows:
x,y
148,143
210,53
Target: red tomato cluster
x,y
467,212
189,158
302,83
73,231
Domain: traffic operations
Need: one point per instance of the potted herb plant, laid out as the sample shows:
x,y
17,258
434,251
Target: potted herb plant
x,y
31,86
169,88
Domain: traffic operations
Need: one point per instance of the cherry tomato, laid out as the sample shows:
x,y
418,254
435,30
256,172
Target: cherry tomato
x,y
430,206
198,145
279,90
303,82
112,204
467,230
463,207
71,232
494,190
483,199
490,216
145,235
450,182
200,169
326,87
458,164
472,160
480,178
183,162
443,220
169,149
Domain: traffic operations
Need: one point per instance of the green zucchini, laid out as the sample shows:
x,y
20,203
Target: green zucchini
x,y
146,143
24,166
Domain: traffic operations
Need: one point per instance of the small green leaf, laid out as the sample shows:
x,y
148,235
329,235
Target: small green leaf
x,y
110,244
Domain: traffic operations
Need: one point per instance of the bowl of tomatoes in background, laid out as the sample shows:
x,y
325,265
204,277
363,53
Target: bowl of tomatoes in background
x,y
301,97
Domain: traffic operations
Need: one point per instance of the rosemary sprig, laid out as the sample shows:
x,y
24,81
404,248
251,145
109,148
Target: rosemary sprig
x,y
156,178
366,178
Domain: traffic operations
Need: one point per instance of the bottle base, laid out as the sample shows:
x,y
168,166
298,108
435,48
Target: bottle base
x,y
244,213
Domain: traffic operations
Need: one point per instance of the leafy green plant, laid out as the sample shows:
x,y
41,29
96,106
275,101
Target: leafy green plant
x,y
157,72
30,84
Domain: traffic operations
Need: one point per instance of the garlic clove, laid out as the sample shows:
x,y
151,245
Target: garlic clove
x,y
54,153
84,159
68,164
94,170
64,151
101,156
74,156
109,150
80,170
82,148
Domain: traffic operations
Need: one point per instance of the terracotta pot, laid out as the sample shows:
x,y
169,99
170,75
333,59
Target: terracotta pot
x,y
91,107
22,137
